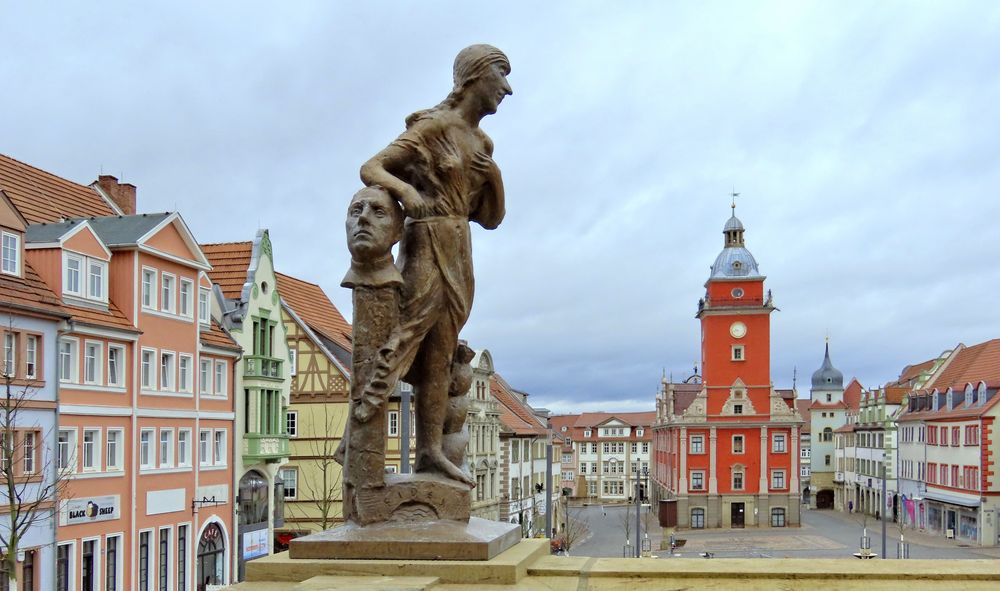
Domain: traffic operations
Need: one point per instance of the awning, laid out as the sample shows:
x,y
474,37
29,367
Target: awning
x,y
954,499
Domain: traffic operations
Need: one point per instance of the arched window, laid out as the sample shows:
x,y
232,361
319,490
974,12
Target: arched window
x,y
828,434
698,518
211,557
253,498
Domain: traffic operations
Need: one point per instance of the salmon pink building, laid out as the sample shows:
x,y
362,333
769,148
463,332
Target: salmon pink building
x,y
145,391
727,455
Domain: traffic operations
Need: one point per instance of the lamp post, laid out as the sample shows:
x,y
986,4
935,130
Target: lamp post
x,y
638,509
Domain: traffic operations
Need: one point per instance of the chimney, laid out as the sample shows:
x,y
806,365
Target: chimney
x,y
123,194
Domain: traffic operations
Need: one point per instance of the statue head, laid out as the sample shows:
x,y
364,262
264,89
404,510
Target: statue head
x,y
482,69
374,224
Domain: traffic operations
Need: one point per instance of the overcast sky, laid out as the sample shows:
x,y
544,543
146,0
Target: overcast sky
x,y
863,136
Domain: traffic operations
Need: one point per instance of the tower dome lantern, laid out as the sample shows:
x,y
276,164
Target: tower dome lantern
x,y
735,261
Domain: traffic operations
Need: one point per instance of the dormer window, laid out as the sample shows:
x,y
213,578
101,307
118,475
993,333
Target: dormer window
x,y
586,433
85,277
72,280
203,307
11,254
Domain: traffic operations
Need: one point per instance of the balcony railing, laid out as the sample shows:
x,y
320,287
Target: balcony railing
x,y
256,366
266,447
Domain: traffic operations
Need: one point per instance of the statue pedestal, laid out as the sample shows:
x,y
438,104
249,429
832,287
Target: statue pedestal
x,y
280,572
477,539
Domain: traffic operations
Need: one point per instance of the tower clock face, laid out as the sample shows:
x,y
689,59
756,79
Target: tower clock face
x,y
738,329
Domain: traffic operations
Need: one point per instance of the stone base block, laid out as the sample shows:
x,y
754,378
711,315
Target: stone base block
x,y
506,569
477,539
412,497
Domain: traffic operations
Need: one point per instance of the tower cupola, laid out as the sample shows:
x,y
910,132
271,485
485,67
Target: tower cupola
x,y
735,261
827,377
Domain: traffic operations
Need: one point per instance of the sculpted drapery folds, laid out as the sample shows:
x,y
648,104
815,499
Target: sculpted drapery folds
x,y
441,171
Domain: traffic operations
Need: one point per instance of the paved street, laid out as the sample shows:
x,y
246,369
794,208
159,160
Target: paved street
x,y
823,534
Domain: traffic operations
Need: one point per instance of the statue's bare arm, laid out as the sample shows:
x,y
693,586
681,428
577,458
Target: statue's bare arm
x,y
377,172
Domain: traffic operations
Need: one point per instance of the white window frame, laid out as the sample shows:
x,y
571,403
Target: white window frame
x,y
149,373
168,292
170,566
219,440
700,448
741,351
119,563
80,273
74,359
29,444
293,362
31,356
150,292
292,423
743,444
185,380
219,384
168,460
98,377
743,478
204,306
72,563
71,464
17,254
186,308
205,376
775,438
114,462
119,373
699,473
784,479
95,450
184,444
151,557
9,368
392,421
205,447
103,286
149,435
168,381
294,471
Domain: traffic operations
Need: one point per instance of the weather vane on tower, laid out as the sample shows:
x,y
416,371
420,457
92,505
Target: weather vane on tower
x,y
734,195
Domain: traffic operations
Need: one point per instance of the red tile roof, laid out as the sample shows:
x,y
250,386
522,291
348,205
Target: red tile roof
x,y
216,336
684,395
29,292
910,373
113,318
312,305
44,197
970,364
634,419
852,394
515,415
895,394
230,262
804,405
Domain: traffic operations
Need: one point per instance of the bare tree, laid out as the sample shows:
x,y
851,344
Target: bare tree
x,y
575,529
31,484
320,474
626,522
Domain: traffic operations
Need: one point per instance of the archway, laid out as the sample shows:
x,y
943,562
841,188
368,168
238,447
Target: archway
x,y
824,499
211,557
252,538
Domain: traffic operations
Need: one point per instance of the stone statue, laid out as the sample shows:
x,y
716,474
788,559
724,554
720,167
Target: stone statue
x,y
439,175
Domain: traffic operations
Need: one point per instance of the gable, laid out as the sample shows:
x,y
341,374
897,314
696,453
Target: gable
x,y
84,241
169,240
9,216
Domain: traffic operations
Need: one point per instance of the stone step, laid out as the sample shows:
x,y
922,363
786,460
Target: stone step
x,y
343,583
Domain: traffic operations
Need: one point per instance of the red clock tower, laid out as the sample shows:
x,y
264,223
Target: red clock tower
x,y
726,441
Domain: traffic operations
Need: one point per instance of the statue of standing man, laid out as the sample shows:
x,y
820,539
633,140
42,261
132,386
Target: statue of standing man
x,y
441,172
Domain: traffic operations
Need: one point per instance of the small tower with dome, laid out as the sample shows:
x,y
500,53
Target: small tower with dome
x,y
827,413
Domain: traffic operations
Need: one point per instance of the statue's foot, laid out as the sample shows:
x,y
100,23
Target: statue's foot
x,y
437,462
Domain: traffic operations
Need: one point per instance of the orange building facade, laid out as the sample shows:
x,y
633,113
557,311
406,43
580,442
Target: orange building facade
x,y
146,408
726,442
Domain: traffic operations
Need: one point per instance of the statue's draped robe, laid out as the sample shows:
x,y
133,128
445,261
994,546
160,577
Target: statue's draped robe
x,y
435,254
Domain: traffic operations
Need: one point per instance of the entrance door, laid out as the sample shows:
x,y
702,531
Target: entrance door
x,y
824,499
951,522
736,515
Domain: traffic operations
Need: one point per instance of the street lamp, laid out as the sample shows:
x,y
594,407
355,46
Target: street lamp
x,y
638,509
